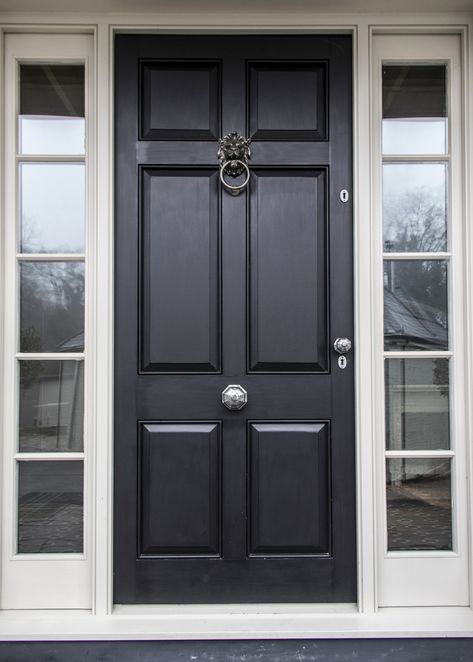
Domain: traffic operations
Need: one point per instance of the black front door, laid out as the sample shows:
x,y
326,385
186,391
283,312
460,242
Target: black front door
x,y
255,504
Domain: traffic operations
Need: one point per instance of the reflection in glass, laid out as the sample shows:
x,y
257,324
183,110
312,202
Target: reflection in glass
x,y
50,507
414,109
52,199
51,406
51,109
422,136
51,135
415,207
51,306
419,504
417,404
415,305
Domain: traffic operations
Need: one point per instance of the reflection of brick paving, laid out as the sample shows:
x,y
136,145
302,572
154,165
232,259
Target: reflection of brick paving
x,y
419,515
50,523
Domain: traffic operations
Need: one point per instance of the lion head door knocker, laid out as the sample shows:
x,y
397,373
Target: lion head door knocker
x,y
233,155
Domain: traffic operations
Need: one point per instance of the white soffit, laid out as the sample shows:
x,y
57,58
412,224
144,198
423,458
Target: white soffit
x,y
236,7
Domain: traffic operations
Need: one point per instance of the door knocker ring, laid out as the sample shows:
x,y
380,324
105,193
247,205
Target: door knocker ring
x,y
235,190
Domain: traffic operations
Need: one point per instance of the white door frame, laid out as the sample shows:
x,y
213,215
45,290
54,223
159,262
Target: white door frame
x,y
364,619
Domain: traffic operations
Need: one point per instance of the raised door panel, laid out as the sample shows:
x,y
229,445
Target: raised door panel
x,y
180,248
180,498
287,271
180,100
289,502
287,100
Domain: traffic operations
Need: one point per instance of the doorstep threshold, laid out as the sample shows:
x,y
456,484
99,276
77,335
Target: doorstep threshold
x,y
203,622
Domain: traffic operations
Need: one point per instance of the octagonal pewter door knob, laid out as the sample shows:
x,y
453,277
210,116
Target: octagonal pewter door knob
x,y
342,345
234,397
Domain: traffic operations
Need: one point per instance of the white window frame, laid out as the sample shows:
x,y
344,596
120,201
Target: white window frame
x,y
429,578
366,619
43,581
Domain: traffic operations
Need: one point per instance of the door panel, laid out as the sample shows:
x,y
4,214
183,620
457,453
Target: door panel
x,y
299,113
169,86
287,271
180,248
180,489
288,516
213,505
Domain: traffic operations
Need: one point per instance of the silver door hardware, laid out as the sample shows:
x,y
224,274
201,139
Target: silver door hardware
x,y
342,362
234,397
344,195
233,155
342,345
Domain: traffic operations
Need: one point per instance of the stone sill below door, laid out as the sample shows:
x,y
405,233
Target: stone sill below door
x,y
236,622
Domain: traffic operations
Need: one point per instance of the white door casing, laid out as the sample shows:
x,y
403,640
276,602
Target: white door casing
x,y
94,592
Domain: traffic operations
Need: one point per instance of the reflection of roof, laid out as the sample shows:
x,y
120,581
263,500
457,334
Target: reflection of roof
x,y
410,321
73,344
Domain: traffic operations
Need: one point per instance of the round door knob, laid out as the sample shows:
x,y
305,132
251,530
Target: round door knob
x,y
234,397
342,345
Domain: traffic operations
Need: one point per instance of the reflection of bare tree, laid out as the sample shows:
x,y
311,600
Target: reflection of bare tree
x,y
441,376
29,236
414,221
416,291
33,242
52,304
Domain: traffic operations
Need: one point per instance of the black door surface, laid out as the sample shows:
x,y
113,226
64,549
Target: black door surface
x,y
256,504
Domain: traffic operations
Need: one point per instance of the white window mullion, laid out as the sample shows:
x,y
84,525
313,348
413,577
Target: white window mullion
x,y
417,256
51,257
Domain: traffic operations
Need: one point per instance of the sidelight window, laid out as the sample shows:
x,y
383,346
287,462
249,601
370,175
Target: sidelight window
x,y
48,152
50,258
419,456
419,137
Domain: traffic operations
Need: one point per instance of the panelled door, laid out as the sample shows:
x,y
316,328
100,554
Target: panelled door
x,y
254,503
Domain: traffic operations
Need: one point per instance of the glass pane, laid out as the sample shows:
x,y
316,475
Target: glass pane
x,y
414,109
50,507
415,207
419,504
52,207
51,306
422,136
415,305
417,404
51,135
51,109
51,406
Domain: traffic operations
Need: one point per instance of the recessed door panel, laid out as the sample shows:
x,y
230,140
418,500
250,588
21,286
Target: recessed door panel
x,y
289,503
180,317
287,271
180,489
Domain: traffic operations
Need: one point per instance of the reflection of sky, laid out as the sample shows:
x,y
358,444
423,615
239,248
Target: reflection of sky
x,y
52,207
419,136
401,177
51,135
